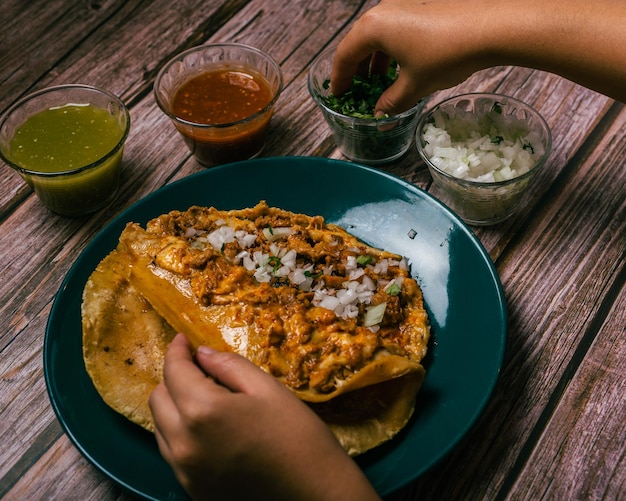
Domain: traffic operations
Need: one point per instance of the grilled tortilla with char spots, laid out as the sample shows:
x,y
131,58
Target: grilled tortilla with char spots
x,y
287,291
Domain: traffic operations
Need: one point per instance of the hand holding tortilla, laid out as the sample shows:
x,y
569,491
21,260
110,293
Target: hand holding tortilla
x,y
220,419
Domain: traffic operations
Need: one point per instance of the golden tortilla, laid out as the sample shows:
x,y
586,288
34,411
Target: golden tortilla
x,y
366,418
124,340
362,380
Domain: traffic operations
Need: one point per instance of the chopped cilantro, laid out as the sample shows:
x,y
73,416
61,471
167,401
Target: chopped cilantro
x,y
393,290
363,260
359,101
275,262
307,273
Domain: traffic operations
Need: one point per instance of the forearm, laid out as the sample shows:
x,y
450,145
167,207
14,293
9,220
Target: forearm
x,y
580,40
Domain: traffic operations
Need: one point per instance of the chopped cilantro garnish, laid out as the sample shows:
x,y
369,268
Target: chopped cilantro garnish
x,y
497,139
363,260
359,101
529,147
275,262
307,273
393,290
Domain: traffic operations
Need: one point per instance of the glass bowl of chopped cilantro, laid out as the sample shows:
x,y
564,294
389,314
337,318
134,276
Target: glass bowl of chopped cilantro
x,y
483,151
359,135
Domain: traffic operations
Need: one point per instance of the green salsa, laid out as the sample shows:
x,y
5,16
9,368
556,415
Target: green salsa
x,y
65,138
70,155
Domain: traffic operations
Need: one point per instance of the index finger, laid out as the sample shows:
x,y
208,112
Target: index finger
x,y
347,63
236,373
181,375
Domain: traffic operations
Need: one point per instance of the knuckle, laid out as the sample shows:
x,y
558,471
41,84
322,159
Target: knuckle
x,y
196,414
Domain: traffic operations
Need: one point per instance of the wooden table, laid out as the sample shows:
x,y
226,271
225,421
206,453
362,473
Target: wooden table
x,y
555,425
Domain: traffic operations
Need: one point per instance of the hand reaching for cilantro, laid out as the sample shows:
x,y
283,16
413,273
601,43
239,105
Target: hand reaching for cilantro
x,y
373,76
440,43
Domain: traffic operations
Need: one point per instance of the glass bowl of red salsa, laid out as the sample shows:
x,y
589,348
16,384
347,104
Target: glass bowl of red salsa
x,y
220,97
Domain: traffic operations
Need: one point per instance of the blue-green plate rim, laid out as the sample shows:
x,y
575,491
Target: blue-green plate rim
x,y
128,455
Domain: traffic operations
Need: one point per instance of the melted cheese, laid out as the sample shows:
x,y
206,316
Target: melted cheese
x,y
227,280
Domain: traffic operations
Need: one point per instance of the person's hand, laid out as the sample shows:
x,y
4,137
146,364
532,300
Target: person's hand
x,y
231,431
426,38
440,43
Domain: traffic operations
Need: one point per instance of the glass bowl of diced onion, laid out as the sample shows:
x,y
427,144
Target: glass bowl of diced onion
x,y
483,151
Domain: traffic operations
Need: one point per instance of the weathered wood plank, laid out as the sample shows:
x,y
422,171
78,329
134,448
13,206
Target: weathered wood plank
x,y
74,478
41,34
560,258
585,441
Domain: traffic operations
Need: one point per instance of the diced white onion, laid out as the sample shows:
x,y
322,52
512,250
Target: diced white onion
x,y
374,314
273,234
356,274
397,282
329,302
490,148
346,296
351,263
223,235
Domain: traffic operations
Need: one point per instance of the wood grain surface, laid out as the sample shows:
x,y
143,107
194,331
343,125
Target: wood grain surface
x,y
554,427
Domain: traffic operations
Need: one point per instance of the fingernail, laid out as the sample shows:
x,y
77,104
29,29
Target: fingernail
x,y
205,350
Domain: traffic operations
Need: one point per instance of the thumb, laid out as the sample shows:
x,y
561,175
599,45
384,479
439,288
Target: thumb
x,y
400,96
235,372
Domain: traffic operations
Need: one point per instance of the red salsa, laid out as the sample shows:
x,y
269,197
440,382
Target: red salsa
x,y
218,100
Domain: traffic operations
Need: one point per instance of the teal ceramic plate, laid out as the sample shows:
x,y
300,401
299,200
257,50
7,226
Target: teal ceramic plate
x,y
462,292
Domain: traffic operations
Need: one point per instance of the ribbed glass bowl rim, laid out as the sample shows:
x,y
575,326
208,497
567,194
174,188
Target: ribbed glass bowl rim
x,y
472,183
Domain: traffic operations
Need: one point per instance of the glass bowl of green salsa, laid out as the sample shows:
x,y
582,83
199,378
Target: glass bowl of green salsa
x,y
67,143
360,136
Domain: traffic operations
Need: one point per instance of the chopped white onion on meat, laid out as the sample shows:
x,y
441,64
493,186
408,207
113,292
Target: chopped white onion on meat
x,y
273,234
374,314
397,282
356,274
281,262
223,235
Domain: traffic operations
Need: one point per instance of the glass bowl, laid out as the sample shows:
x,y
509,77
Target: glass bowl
x,y
482,151
67,143
252,75
364,140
